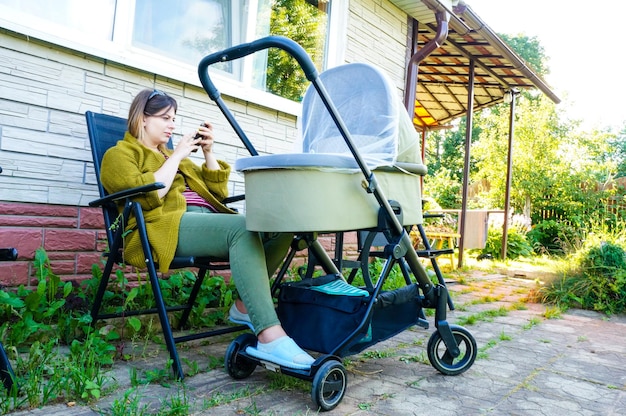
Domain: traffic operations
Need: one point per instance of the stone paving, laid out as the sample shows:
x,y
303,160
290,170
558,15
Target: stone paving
x,y
527,365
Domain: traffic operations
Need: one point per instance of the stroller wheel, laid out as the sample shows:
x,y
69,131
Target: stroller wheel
x,y
443,361
238,366
329,385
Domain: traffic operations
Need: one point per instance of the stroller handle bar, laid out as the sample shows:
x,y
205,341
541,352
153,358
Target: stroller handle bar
x,y
239,51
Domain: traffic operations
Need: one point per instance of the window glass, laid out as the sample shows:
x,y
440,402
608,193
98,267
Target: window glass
x,y
171,37
93,18
186,30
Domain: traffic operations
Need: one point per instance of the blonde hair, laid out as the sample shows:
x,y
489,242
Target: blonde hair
x,y
147,103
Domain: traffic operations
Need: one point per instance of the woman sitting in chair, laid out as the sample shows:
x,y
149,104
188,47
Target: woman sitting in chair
x,y
187,218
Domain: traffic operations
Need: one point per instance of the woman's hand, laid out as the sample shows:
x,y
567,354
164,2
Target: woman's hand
x,y
205,132
187,144
206,143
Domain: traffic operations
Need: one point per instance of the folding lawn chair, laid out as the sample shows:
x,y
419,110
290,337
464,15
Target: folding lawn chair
x,y
104,132
6,371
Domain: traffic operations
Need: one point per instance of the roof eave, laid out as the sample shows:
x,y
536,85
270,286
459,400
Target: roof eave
x,y
477,25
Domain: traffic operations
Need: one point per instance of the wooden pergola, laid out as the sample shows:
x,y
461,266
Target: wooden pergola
x,y
458,65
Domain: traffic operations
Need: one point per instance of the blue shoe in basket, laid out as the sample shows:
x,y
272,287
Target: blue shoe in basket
x,y
282,351
340,287
240,318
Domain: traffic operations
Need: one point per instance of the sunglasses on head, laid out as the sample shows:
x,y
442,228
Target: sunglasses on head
x,y
155,93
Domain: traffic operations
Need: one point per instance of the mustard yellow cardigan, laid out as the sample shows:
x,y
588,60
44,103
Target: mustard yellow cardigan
x,y
129,164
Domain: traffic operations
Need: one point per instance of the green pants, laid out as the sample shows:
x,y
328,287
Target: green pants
x,y
253,256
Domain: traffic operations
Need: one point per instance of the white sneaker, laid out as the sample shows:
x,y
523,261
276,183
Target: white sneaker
x,y
239,317
282,351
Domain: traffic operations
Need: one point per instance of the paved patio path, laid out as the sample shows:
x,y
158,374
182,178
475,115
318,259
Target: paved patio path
x,y
527,365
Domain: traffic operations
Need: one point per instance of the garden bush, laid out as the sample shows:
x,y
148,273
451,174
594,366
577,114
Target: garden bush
x,y
554,237
517,244
597,280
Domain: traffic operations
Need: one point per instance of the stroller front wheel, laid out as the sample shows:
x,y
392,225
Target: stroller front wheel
x,y
443,361
237,365
329,385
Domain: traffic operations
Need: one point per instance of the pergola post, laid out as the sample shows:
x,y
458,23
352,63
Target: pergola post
x,y
509,95
466,165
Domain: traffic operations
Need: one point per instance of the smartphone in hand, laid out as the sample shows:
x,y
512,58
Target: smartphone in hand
x,y
199,136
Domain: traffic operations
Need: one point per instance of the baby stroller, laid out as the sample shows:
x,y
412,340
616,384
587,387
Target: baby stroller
x,y
6,371
360,170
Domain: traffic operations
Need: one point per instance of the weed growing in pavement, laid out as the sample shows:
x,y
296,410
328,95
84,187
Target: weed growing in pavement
x,y
130,404
421,358
177,404
251,409
519,306
486,315
214,362
365,406
218,398
485,299
286,383
531,323
482,351
160,376
379,354
504,337
553,312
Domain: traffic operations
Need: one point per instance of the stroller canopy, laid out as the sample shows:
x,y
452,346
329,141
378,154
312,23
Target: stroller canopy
x,y
366,100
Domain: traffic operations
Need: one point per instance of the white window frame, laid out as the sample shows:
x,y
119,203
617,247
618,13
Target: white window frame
x,y
120,50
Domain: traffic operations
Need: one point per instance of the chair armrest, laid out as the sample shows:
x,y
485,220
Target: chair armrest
x,y
234,198
127,193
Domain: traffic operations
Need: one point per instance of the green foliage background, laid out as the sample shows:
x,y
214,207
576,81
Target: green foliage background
x,y
305,24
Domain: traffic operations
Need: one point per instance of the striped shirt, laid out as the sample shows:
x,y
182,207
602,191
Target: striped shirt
x,y
194,199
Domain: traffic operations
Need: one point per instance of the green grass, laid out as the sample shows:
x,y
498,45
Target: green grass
x,y
483,316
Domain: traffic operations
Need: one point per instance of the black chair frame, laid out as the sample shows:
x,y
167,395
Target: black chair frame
x,y
104,131
7,376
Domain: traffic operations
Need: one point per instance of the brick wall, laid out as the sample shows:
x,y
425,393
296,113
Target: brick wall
x,y
73,238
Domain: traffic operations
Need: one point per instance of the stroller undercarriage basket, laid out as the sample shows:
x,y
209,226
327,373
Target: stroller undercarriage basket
x,y
342,325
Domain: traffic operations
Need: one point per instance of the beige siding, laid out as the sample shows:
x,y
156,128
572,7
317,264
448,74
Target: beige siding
x,y
46,89
44,93
377,34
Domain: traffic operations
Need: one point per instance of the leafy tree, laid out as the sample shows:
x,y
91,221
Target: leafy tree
x,y
530,50
618,144
305,24
445,150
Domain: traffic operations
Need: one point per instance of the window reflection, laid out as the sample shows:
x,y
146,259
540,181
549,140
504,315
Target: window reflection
x,y
185,30
92,18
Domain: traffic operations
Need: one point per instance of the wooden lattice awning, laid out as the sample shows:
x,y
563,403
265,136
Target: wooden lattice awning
x,y
444,74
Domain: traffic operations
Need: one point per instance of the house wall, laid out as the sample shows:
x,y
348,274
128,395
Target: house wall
x,y
378,34
48,177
